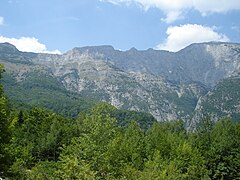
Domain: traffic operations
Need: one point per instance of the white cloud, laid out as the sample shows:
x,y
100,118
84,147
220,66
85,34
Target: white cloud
x,y
28,44
182,36
173,16
219,6
174,9
1,20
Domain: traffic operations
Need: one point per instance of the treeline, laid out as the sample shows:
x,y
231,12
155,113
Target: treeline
x,y
44,91
109,144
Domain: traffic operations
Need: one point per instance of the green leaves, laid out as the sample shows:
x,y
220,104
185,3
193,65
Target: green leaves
x,y
44,145
38,137
1,70
219,144
4,127
171,155
87,152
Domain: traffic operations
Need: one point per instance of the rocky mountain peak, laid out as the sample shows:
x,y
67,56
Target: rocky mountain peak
x,y
8,48
133,49
94,49
166,84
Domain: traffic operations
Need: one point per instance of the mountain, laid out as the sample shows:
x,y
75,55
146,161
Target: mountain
x,y
205,62
166,84
222,101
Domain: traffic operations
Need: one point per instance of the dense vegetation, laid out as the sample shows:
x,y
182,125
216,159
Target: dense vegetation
x,y
106,143
44,91
224,99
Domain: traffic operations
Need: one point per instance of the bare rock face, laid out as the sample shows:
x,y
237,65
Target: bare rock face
x,y
222,101
166,84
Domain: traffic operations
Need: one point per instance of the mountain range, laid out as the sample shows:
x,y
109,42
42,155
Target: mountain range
x,y
199,80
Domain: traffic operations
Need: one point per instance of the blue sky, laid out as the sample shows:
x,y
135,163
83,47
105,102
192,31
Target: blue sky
x,y
56,26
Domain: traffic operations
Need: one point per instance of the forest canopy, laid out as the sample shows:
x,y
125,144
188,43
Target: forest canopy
x,y
107,143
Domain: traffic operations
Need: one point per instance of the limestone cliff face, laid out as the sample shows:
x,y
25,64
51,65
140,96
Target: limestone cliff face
x,y
222,101
207,63
166,84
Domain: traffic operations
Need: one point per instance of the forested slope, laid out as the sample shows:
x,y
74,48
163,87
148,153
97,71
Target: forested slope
x,y
40,144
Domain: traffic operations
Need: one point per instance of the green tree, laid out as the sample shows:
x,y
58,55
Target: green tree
x,y
170,155
134,145
43,170
164,137
86,155
4,127
224,155
219,144
126,152
37,138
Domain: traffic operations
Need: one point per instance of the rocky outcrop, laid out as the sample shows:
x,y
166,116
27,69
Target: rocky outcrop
x,y
166,84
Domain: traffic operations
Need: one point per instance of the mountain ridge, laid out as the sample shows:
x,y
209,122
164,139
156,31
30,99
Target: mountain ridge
x,y
166,84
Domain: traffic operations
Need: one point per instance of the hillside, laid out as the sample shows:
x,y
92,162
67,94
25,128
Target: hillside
x,y
167,85
222,101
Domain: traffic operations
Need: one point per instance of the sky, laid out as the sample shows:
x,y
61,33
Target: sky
x,y
56,26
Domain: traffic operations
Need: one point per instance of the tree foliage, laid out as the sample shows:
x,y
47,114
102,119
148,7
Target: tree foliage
x,y
107,143
4,124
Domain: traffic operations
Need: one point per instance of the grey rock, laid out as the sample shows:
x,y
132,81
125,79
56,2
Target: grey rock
x,y
166,84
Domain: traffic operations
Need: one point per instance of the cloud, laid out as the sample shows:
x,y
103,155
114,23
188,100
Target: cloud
x,y
28,44
1,20
216,6
172,16
184,35
236,28
174,9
